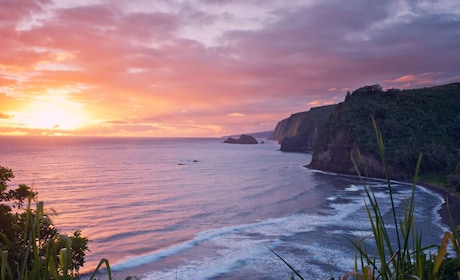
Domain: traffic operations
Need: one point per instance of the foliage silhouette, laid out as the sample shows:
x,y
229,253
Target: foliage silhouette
x,y
31,246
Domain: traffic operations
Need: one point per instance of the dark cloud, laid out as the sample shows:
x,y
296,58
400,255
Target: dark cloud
x,y
332,44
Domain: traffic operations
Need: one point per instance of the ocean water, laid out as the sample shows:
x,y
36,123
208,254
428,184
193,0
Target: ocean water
x,y
183,208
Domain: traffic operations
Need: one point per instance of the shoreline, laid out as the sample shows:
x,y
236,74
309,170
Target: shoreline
x,y
453,201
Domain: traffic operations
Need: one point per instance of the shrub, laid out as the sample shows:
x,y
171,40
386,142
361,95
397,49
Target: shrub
x,y
31,246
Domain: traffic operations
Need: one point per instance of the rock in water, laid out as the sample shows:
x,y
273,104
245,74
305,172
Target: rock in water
x,y
244,139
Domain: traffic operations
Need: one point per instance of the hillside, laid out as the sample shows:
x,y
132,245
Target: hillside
x,y
411,121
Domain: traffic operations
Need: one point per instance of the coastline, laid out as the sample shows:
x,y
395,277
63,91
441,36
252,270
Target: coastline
x,y
446,194
453,202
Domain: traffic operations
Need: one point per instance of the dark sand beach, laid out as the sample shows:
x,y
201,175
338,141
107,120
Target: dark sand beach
x,y
451,201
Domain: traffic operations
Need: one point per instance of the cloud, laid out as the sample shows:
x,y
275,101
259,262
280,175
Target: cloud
x,y
405,79
13,12
236,114
422,79
193,66
4,116
7,103
317,103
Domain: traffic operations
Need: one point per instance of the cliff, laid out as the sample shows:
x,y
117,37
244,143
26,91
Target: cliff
x,y
412,121
279,132
299,132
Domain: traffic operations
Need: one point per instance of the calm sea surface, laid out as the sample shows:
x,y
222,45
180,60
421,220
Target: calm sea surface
x,y
199,209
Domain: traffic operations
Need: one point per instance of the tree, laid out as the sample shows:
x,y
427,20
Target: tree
x,y
31,245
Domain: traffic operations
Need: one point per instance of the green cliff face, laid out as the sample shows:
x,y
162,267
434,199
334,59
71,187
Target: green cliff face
x,y
299,132
411,121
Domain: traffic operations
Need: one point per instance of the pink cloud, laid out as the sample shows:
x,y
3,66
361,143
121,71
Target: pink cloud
x,y
129,63
417,80
405,79
236,114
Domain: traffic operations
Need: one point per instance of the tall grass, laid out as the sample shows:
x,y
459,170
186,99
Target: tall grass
x,y
398,253
108,270
49,261
405,257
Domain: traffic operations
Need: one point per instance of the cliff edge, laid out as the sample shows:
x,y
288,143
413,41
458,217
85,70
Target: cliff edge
x,y
299,132
425,120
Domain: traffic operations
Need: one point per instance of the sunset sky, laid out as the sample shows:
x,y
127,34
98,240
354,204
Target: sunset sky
x,y
210,67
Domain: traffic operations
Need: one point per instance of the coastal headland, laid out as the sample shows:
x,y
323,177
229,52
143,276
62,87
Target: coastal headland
x,y
408,123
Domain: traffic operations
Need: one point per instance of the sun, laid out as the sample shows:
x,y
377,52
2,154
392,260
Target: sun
x,y
52,114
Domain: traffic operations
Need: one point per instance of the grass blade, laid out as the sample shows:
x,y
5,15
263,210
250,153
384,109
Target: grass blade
x,y
290,267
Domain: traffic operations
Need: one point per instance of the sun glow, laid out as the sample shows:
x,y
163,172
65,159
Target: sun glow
x,y
54,114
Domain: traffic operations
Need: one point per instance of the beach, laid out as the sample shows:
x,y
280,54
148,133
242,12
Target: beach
x,y
451,204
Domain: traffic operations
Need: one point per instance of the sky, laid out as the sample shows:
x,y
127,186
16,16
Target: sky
x,y
210,68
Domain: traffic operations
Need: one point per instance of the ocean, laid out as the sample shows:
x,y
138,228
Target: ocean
x,y
196,208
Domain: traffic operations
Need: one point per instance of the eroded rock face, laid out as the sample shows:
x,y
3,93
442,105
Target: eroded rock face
x,y
300,131
336,157
301,142
244,139
280,130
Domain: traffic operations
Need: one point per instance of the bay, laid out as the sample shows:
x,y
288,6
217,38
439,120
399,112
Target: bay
x,y
195,208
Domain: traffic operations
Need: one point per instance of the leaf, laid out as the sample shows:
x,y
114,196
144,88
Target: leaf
x,y
293,270
441,252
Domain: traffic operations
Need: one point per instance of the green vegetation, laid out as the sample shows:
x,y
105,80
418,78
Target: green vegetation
x,y
31,247
109,273
402,257
411,121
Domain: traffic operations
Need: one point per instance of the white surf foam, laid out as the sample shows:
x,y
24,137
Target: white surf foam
x,y
242,246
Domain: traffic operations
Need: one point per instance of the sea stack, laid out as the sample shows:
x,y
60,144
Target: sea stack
x,y
244,139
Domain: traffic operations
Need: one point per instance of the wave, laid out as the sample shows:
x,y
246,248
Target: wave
x,y
200,238
236,245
